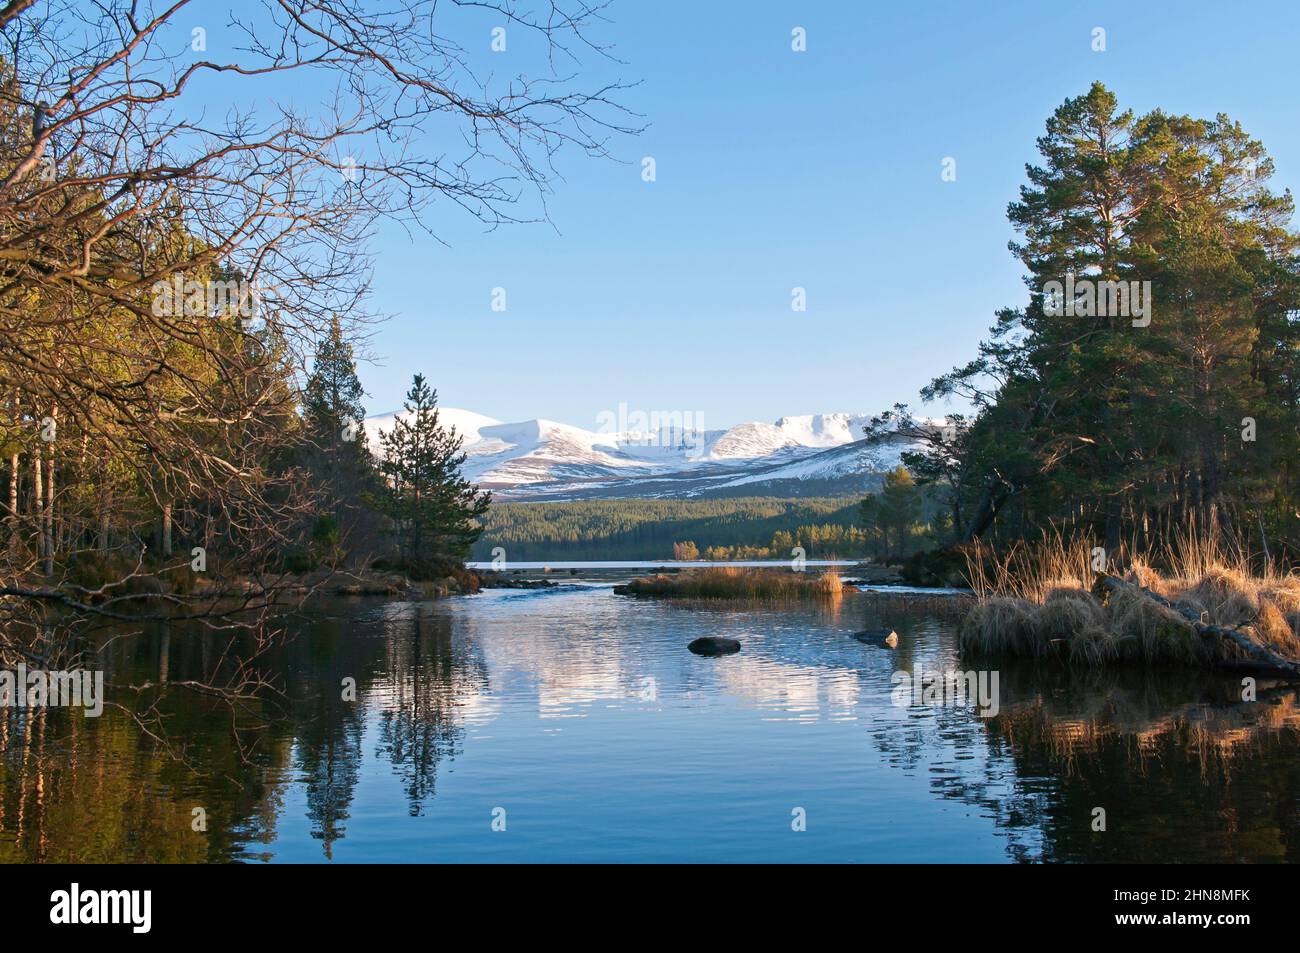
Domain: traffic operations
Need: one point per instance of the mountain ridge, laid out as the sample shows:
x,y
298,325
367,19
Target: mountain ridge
x,y
541,459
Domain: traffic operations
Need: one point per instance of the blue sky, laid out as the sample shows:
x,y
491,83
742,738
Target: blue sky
x,y
778,169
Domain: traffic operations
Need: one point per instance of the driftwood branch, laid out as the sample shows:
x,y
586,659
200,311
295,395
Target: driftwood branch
x,y
1266,661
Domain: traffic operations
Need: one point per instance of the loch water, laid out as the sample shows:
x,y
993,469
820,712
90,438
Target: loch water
x,y
571,724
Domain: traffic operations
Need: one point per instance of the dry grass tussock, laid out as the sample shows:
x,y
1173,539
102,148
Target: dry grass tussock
x,y
725,582
1037,601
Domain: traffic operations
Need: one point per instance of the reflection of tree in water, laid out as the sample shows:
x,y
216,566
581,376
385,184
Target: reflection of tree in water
x,y
427,676
332,766
410,672
329,729
1213,779
100,790
1184,770
74,789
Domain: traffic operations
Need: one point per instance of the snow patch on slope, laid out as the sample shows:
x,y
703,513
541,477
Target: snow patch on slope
x,y
545,458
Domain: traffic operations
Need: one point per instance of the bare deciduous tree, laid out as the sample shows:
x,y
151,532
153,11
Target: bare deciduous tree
x,y
178,227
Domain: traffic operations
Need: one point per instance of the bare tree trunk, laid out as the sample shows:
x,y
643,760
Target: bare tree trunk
x,y
1264,657
13,493
1113,524
164,653
105,504
167,529
49,499
38,498
12,520
990,502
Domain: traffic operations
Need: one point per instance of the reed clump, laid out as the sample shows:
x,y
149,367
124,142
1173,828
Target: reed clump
x,y
724,582
1038,601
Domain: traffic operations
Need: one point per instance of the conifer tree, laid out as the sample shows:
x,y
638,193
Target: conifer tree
x,y
897,508
337,450
434,507
1136,430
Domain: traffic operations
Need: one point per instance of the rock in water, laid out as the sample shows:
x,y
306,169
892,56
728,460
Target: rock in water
x,y
885,637
714,645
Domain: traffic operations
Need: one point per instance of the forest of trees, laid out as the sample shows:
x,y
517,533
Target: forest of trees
x,y
182,289
1132,428
79,507
728,528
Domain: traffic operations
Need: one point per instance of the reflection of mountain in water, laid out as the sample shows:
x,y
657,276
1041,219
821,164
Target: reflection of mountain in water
x,y
568,664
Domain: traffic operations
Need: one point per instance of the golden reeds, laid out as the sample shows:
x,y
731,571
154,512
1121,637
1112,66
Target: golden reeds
x,y
1035,600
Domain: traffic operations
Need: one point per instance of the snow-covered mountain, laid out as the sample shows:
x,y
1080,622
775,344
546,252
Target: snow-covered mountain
x,y
811,455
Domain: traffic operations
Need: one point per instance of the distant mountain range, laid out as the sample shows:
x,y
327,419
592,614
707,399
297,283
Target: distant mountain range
x,y
811,455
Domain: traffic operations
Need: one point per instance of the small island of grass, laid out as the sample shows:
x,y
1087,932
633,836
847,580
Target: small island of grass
x,y
725,582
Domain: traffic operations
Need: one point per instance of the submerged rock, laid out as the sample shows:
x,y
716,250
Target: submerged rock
x,y
885,637
714,645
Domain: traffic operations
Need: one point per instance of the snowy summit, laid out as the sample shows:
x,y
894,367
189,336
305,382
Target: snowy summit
x,y
809,455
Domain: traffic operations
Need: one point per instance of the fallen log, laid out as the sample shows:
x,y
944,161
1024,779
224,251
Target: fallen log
x,y
1265,661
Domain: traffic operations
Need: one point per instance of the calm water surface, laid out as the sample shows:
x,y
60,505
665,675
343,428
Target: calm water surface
x,y
582,717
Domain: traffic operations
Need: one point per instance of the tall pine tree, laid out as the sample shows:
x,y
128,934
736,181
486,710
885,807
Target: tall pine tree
x,y
434,508
1137,432
338,453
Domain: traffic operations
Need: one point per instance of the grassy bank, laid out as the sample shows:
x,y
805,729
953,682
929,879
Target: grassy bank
x,y
1043,601
739,584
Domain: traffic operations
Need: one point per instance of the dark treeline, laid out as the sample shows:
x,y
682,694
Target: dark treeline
x,y
1150,388
731,528
82,510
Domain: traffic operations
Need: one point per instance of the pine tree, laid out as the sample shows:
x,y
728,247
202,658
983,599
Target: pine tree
x,y
332,399
337,451
896,507
1134,432
434,507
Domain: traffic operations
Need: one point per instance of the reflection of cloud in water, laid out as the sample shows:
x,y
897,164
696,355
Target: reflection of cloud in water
x,y
576,660
789,691
572,666
571,680
478,708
